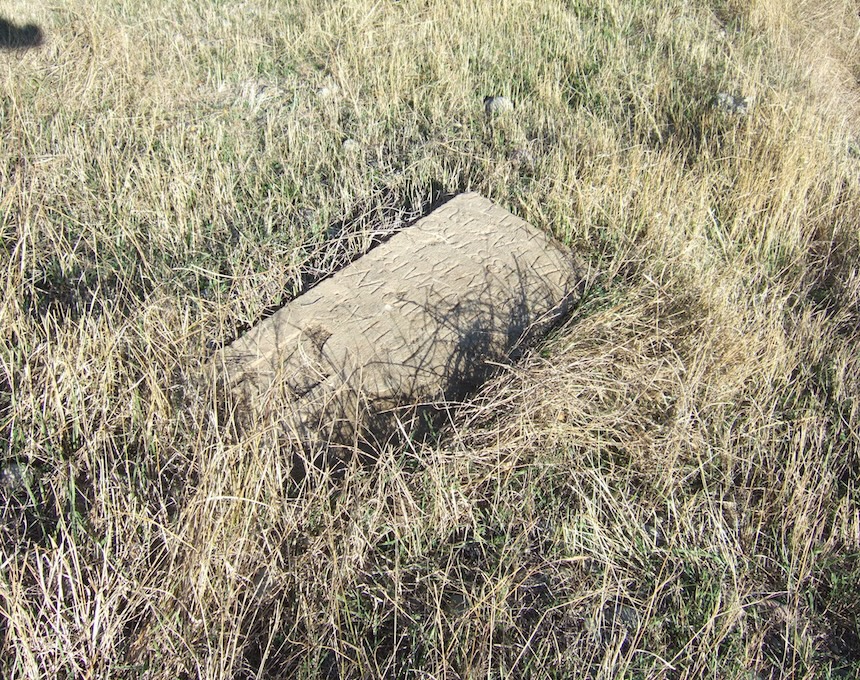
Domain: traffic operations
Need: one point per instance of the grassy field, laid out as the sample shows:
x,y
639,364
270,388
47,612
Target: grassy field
x,y
668,487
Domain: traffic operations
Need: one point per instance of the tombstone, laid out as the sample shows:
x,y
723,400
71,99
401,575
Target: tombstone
x,y
388,342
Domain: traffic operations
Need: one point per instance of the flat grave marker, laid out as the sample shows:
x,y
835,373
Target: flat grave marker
x,y
419,321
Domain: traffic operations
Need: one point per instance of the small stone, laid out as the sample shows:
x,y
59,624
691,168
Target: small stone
x,y
619,615
628,617
327,91
350,145
655,533
733,104
16,479
494,106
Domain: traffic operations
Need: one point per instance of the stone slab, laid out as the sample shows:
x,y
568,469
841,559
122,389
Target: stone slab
x,y
420,320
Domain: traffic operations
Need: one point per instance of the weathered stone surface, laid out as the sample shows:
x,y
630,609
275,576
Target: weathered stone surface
x,y
422,318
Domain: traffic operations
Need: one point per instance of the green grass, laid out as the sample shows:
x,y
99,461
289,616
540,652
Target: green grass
x,y
667,487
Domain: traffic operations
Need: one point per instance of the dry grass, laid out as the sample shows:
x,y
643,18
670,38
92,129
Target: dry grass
x,y
667,488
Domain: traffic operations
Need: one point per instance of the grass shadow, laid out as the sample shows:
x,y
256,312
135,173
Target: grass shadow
x,y
14,37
